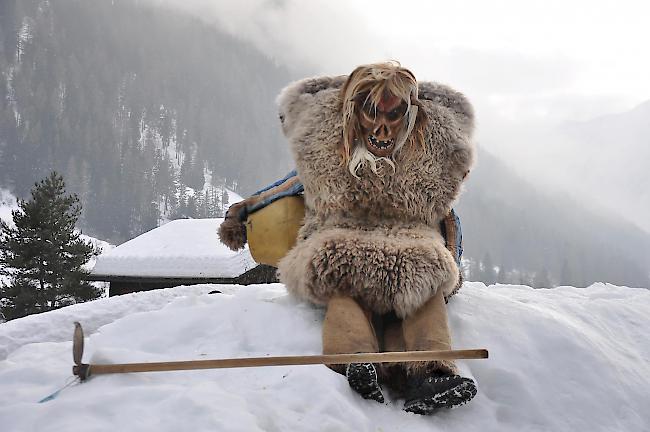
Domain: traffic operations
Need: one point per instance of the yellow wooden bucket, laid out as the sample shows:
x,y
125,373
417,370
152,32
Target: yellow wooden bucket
x,y
272,231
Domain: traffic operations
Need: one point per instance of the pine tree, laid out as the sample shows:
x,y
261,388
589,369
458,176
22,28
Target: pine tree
x,y
43,255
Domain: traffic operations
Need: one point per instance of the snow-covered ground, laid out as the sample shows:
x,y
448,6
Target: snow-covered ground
x,y
565,359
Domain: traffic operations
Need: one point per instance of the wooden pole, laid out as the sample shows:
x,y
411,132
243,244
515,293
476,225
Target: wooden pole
x,y
385,357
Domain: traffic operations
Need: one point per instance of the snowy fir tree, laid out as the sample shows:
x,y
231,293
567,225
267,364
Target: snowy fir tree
x,y
43,255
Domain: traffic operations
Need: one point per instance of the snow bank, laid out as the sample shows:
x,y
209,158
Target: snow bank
x,y
54,326
565,359
180,248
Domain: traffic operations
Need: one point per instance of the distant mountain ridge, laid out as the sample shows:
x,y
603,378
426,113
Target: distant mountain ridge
x,y
620,141
512,225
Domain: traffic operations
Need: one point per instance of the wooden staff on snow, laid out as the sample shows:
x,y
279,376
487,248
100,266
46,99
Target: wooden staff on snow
x,y
83,371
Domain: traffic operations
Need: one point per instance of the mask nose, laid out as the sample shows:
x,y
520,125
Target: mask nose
x,y
381,131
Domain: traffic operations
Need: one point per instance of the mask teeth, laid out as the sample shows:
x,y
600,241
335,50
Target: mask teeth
x,y
379,143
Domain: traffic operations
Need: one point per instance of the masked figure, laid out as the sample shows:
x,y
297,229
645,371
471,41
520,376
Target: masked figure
x,y
381,158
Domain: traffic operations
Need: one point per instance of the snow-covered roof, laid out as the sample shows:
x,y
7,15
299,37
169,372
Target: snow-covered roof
x,y
184,248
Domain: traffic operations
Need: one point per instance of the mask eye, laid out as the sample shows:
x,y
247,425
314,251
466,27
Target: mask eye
x,y
397,112
393,115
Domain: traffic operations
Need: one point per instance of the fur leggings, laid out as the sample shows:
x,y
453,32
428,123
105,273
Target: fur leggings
x,y
348,328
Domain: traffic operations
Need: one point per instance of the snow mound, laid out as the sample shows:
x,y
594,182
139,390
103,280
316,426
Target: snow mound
x,y
565,359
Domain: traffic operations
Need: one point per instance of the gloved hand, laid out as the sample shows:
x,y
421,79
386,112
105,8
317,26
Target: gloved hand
x,y
232,231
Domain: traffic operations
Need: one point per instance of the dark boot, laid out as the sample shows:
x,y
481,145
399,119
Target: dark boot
x,y
362,377
424,396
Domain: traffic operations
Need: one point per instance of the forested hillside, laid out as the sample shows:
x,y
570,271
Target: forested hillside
x,y
133,103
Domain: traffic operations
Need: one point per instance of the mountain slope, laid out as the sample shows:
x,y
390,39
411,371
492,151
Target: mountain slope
x,y
521,228
573,359
616,143
131,102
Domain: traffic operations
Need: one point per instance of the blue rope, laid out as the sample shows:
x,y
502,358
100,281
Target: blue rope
x,y
67,384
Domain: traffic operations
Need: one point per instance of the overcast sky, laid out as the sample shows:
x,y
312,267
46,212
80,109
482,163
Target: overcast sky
x,y
504,51
527,66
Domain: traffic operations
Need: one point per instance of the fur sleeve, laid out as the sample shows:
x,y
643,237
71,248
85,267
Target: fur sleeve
x,y
297,96
455,101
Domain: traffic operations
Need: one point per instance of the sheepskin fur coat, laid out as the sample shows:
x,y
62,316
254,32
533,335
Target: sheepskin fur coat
x,y
376,238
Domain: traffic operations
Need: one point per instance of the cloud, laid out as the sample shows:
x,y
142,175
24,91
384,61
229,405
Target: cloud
x,y
487,49
318,36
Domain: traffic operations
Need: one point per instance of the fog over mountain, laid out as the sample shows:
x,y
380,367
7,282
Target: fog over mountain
x,y
543,239
601,162
617,143
149,112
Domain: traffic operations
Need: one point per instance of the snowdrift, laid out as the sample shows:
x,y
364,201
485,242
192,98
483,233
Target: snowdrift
x,y
565,359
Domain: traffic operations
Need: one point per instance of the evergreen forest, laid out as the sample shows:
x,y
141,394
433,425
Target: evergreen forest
x,y
138,107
